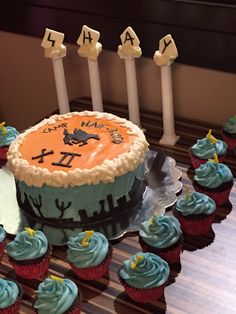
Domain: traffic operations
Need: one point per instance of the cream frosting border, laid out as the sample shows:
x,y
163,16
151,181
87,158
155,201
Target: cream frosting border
x,y
106,172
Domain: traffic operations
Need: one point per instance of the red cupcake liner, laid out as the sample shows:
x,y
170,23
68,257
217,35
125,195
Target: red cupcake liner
x,y
34,270
2,247
171,255
220,197
195,226
3,153
231,142
12,309
196,161
143,295
96,272
75,310
15,307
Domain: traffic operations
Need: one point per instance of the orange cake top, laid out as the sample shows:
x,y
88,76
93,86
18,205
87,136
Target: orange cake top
x,y
79,145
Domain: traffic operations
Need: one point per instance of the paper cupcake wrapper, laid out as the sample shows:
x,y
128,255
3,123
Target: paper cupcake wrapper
x,y
96,272
171,255
15,307
3,153
35,270
12,309
2,247
231,142
196,161
220,197
143,295
196,226
75,310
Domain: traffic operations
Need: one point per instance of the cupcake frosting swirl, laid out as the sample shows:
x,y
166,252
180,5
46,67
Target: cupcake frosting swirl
x,y
27,247
160,231
9,292
230,125
55,297
6,139
2,233
195,203
87,256
212,175
150,272
205,149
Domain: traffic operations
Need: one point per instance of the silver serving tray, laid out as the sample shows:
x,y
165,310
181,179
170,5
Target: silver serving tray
x,y
163,183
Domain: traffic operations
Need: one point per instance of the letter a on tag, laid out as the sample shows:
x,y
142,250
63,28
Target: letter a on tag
x,y
129,38
129,47
167,51
52,39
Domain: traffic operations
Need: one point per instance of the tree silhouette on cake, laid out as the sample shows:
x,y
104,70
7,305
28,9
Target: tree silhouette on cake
x,y
37,203
62,208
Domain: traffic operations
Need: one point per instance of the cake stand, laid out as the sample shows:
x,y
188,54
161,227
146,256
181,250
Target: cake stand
x,y
162,186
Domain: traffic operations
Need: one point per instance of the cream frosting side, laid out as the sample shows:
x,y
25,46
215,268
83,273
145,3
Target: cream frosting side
x,y
106,172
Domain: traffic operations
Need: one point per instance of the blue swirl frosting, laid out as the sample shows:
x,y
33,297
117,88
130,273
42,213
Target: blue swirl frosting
x,y
2,233
9,293
55,297
212,175
6,139
89,256
195,203
27,247
205,149
161,231
230,125
152,271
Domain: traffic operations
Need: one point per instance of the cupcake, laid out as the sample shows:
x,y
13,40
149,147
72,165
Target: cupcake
x,y
205,149
2,240
214,179
29,254
144,277
195,212
228,132
89,254
162,235
10,296
7,135
57,295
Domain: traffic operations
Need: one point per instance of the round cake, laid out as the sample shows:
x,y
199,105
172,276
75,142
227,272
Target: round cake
x,y
79,169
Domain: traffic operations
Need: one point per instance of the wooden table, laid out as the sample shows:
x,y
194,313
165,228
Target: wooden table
x,y
204,282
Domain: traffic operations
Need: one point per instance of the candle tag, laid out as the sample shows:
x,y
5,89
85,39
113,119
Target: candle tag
x,y
88,42
167,52
52,42
129,47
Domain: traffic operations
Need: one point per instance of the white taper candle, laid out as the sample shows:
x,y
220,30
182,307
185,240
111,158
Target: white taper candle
x,y
90,49
169,136
132,91
95,85
55,50
62,96
164,58
129,50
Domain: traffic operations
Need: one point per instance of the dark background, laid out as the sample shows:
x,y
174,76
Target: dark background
x,y
204,31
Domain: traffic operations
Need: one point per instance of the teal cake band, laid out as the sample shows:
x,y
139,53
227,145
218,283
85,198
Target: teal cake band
x,y
67,203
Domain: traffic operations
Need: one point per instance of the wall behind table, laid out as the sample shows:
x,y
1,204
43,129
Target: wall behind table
x,y
27,88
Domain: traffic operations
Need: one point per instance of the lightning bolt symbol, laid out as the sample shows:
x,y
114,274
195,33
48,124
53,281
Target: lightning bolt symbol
x,y
51,40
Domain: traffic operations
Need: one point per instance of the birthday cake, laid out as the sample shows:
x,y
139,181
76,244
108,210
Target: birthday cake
x,y
80,169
